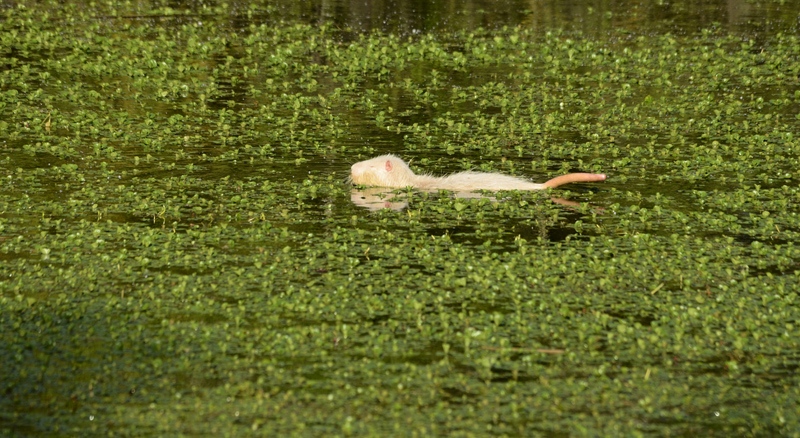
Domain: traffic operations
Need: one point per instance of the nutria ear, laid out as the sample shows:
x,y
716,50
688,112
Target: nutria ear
x,y
388,165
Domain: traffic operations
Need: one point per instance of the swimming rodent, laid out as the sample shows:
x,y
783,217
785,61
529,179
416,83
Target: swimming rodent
x,y
391,171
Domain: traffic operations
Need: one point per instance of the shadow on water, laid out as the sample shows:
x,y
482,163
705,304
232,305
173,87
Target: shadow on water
x,y
411,17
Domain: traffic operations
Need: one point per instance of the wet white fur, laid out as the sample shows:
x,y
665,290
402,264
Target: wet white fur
x,y
391,171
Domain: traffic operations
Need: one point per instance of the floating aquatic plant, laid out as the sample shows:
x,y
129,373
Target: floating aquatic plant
x,y
177,237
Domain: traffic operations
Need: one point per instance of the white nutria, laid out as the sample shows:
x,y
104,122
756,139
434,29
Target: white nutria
x,y
391,171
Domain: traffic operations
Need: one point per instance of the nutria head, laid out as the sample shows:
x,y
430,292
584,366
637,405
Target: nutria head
x,y
383,171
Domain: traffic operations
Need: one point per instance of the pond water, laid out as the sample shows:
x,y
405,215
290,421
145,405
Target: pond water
x,y
181,252
592,18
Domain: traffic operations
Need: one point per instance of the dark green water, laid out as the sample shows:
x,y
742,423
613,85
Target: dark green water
x,y
180,255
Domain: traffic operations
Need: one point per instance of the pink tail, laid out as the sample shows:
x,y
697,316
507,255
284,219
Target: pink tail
x,y
575,177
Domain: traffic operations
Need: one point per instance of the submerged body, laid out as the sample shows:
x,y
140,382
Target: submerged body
x,y
391,171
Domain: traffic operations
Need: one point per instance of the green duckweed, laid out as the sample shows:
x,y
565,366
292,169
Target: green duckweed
x,y
179,253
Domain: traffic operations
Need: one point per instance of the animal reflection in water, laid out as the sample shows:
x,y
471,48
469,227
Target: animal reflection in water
x,y
379,198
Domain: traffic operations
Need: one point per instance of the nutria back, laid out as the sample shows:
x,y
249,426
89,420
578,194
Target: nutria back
x,y
470,181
